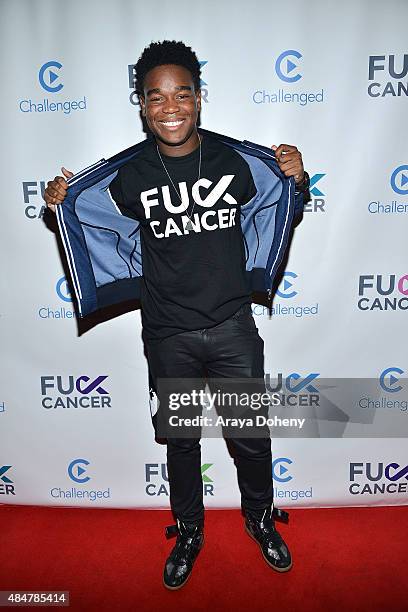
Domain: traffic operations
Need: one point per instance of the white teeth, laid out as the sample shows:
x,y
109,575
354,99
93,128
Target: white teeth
x,y
171,123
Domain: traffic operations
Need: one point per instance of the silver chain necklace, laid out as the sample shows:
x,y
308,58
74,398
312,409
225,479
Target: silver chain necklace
x,y
189,225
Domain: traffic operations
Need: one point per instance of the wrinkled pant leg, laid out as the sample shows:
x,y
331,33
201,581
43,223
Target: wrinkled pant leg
x,y
253,460
235,350
179,357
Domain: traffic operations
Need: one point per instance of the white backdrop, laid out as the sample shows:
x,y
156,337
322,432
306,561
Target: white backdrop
x,y
272,73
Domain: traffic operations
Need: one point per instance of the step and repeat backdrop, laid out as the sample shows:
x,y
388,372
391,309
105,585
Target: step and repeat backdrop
x,y
331,78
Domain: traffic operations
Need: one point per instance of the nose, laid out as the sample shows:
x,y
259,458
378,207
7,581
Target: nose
x,y
170,107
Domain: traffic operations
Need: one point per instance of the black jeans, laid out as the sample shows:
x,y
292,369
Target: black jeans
x,y
231,349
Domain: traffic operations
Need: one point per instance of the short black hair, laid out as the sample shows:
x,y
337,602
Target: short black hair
x,y
166,52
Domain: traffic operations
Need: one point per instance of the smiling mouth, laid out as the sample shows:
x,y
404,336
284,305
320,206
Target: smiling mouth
x,y
172,124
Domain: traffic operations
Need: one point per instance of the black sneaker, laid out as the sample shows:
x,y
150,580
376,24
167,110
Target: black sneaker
x,y
263,531
178,567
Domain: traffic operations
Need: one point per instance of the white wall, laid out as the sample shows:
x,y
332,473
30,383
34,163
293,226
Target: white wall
x,y
355,140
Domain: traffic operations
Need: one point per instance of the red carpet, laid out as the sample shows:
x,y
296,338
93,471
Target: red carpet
x,y
352,559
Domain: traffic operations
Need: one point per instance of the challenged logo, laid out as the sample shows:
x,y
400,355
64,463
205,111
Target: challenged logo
x,y
75,470
391,385
388,380
284,288
58,311
284,66
399,180
62,290
279,470
47,76
286,291
281,476
287,70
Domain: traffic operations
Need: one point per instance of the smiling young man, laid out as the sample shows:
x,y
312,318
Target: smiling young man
x,y
186,189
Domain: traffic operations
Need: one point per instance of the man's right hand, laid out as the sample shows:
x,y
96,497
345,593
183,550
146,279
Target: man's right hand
x,y
57,190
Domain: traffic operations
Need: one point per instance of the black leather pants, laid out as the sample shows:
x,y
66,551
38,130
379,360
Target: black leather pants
x,y
231,349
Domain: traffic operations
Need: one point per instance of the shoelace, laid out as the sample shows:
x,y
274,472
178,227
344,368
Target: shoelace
x,y
270,535
183,548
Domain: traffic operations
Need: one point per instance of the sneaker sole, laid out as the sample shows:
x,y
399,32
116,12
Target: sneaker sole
x,y
277,569
176,588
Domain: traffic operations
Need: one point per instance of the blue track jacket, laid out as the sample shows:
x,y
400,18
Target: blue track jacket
x,y
103,246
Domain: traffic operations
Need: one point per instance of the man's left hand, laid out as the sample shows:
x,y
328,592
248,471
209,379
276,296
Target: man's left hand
x,y
290,161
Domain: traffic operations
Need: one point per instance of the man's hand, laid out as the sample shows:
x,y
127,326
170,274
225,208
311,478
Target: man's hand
x,y
290,161
57,190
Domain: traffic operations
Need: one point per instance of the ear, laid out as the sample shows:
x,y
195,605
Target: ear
x,y
142,103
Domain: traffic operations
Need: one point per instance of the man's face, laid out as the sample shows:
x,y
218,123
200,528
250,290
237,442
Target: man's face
x,y
171,106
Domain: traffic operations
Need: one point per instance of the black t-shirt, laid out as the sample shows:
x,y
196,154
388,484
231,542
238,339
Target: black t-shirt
x,y
192,278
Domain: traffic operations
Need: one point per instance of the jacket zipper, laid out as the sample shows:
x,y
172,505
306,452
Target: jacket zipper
x,y
245,143
268,291
86,171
